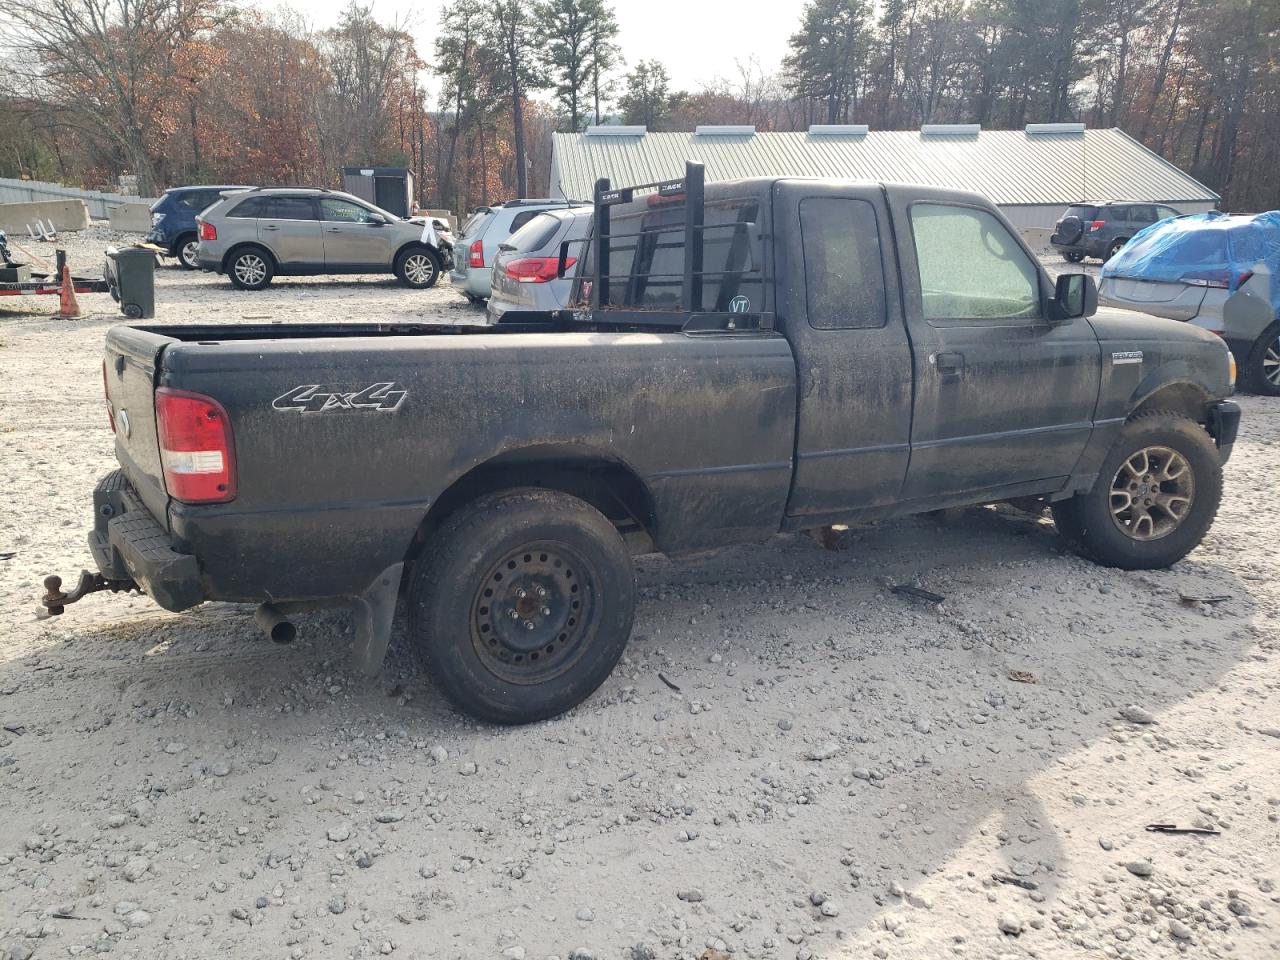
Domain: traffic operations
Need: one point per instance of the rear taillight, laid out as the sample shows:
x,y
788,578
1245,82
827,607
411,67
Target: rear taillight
x,y
536,269
208,231
475,254
106,396
1219,279
197,452
1097,224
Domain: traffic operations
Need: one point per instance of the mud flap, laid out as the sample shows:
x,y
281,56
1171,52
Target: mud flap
x,y
374,611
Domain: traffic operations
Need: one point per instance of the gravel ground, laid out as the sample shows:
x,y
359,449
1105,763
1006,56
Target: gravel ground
x,y
842,773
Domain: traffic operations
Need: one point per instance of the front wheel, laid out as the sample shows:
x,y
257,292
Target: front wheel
x,y
1155,497
418,268
1262,370
522,604
1073,256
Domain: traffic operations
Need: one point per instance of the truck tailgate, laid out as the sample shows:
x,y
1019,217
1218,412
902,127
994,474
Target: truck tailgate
x,y
130,373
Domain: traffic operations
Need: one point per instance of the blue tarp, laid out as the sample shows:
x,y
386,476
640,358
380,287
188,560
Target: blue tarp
x,y
1212,247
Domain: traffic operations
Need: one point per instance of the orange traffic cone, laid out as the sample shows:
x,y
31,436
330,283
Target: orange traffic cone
x,y
68,306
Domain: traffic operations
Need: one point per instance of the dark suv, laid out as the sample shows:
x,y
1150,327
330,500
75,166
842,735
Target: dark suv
x,y
173,220
1101,229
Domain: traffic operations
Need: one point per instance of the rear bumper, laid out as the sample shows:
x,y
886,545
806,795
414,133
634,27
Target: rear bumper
x,y
128,544
1224,424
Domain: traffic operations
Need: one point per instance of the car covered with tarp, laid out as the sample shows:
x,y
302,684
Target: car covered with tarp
x,y
1219,271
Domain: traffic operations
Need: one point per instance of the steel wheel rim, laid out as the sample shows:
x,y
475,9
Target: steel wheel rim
x,y
1271,363
551,592
188,252
1152,493
419,268
251,269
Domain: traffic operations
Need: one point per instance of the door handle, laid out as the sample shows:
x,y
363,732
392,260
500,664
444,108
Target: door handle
x,y
950,365
334,230
270,226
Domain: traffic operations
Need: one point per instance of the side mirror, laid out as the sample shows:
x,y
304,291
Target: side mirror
x,y
1075,295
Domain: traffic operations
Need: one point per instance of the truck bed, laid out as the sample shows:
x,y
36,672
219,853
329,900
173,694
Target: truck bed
x,y
334,480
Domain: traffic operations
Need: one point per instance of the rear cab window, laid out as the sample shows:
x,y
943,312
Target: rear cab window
x,y
843,266
646,254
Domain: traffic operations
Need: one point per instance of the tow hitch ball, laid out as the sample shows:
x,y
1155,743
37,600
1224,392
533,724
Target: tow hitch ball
x,y
55,601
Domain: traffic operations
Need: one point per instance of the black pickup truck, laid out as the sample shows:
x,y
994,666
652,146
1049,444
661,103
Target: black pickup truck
x,y
743,358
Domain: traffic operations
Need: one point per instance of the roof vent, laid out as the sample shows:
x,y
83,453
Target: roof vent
x,y
615,130
838,129
1034,129
950,129
724,130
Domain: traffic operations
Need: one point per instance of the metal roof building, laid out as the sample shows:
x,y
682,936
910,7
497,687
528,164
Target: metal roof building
x,y
1032,174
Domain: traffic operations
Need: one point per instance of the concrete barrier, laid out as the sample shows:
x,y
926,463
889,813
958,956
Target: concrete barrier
x,y
65,214
131,218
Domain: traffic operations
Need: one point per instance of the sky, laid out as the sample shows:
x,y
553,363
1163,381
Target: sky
x,y
697,40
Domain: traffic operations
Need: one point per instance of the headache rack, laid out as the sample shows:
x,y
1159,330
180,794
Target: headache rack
x,y
734,314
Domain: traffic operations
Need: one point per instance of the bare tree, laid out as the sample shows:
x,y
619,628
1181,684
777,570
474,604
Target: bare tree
x,y
106,65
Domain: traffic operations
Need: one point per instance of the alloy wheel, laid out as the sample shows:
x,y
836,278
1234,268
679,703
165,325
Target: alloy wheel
x,y
419,268
187,253
250,269
1152,493
1271,363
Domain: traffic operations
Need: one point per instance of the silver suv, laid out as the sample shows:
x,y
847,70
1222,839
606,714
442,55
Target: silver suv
x,y
483,232
255,235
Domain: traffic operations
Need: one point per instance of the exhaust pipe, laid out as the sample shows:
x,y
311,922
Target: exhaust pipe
x,y
277,627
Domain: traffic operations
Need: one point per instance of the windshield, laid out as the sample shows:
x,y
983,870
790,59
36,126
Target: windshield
x,y
474,221
535,234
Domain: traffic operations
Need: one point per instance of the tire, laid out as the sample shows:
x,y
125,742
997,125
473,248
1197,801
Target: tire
x,y
490,560
1116,244
418,268
250,268
1262,369
1070,230
1169,442
132,311
185,251
1073,256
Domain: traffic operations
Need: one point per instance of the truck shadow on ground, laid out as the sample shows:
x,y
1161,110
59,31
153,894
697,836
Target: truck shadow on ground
x,y
826,735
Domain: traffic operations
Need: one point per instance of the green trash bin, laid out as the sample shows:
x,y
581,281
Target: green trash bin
x,y
131,277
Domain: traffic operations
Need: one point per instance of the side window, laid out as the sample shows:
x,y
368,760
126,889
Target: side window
x,y
843,270
251,208
1143,213
292,208
336,210
522,218
970,266
1164,213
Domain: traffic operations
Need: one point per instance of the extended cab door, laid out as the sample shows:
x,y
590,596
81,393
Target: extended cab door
x,y
834,253
1004,395
291,232
354,235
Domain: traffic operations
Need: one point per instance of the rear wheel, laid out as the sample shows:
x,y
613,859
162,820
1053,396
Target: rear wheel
x,y
523,605
1262,371
1115,247
250,268
186,249
418,268
1156,495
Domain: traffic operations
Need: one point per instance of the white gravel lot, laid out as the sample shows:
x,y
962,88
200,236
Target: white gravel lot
x,y
842,773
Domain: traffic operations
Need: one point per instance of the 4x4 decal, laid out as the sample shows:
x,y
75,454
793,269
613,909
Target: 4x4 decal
x,y
311,398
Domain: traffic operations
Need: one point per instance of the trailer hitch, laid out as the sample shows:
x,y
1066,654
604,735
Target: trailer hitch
x,y
55,601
